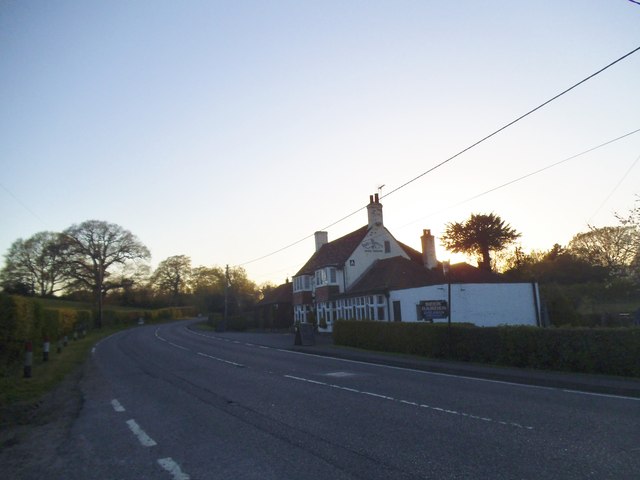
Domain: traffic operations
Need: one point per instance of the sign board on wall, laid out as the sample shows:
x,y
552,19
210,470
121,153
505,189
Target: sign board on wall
x,y
432,309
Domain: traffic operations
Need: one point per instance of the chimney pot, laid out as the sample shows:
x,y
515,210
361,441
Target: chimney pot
x,y
321,238
428,249
374,211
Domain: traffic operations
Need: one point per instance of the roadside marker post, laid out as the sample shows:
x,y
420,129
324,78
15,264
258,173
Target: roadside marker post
x,y
28,359
45,349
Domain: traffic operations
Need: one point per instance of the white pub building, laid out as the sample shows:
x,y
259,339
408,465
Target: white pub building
x,y
369,275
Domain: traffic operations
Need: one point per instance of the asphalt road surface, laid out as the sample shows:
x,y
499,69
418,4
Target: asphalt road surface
x,y
168,402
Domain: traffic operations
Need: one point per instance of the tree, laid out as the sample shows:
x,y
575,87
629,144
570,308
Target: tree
x,y
34,266
94,251
172,277
556,265
207,287
480,235
243,293
614,248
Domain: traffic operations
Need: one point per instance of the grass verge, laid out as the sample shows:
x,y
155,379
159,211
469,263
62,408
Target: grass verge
x,y
15,389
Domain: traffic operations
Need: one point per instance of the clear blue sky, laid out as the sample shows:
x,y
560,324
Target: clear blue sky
x,y
226,130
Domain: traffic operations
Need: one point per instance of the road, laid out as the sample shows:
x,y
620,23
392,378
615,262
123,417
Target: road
x,y
170,402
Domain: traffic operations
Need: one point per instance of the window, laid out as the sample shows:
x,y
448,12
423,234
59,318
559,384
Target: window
x,y
307,282
380,313
397,311
380,300
387,246
332,275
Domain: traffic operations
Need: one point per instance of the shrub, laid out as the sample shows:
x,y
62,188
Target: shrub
x,y
613,351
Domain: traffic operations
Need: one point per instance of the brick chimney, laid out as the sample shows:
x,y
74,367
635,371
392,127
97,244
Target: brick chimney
x,y
428,250
374,211
321,239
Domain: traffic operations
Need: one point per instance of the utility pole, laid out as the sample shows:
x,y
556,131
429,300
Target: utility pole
x,y
226,295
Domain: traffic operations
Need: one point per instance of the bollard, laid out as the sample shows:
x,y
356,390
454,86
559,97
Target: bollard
x,y
45,350
28,359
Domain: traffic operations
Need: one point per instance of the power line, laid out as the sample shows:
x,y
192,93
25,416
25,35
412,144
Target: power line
x,y
453,156
530,174
626,174
511,123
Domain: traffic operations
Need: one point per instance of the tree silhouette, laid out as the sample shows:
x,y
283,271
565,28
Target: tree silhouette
x,y
480,235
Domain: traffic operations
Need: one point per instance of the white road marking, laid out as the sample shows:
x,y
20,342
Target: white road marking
x,y
606,395
143,438
424,372
464,377
173,468
406,402
117,406
220,359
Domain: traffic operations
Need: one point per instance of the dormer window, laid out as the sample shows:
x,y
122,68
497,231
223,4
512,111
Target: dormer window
x,y
326,276
301,283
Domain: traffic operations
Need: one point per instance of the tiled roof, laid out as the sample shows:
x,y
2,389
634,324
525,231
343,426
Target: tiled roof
x,y
280,294
398,273
334,253
393,274
414,255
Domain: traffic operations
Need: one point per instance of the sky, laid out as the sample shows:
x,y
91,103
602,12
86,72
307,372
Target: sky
x,y
227,130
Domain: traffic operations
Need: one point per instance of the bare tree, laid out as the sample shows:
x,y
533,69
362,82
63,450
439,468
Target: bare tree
x,y
614,248
94,250
172,277
34,266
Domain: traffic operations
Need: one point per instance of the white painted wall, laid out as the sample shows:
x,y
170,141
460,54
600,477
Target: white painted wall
x,y
371,249
485,305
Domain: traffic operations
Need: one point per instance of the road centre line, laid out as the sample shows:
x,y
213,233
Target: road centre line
x,y
143,438
385,397
440,374
117,406
221,360
173,468
229,362
464,377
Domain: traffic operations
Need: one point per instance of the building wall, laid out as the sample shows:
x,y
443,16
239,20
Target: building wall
x,y
485,305
370,249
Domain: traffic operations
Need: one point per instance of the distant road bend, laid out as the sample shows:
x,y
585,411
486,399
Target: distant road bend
x,y
171,402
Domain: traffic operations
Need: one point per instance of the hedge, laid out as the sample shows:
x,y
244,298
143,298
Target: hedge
x,y
24,319
612,351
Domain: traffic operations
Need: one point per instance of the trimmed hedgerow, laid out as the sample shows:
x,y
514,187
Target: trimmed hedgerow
x,y
612,351
23,319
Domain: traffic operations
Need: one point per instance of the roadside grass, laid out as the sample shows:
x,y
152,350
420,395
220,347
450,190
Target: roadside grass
x,y
15,389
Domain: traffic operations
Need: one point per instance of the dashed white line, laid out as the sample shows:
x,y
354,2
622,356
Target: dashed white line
x,y
173,468
117,406
220,359
143,438
406,402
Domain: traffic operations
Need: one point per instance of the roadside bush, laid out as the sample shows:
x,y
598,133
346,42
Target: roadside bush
x,y
612,351
23,319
